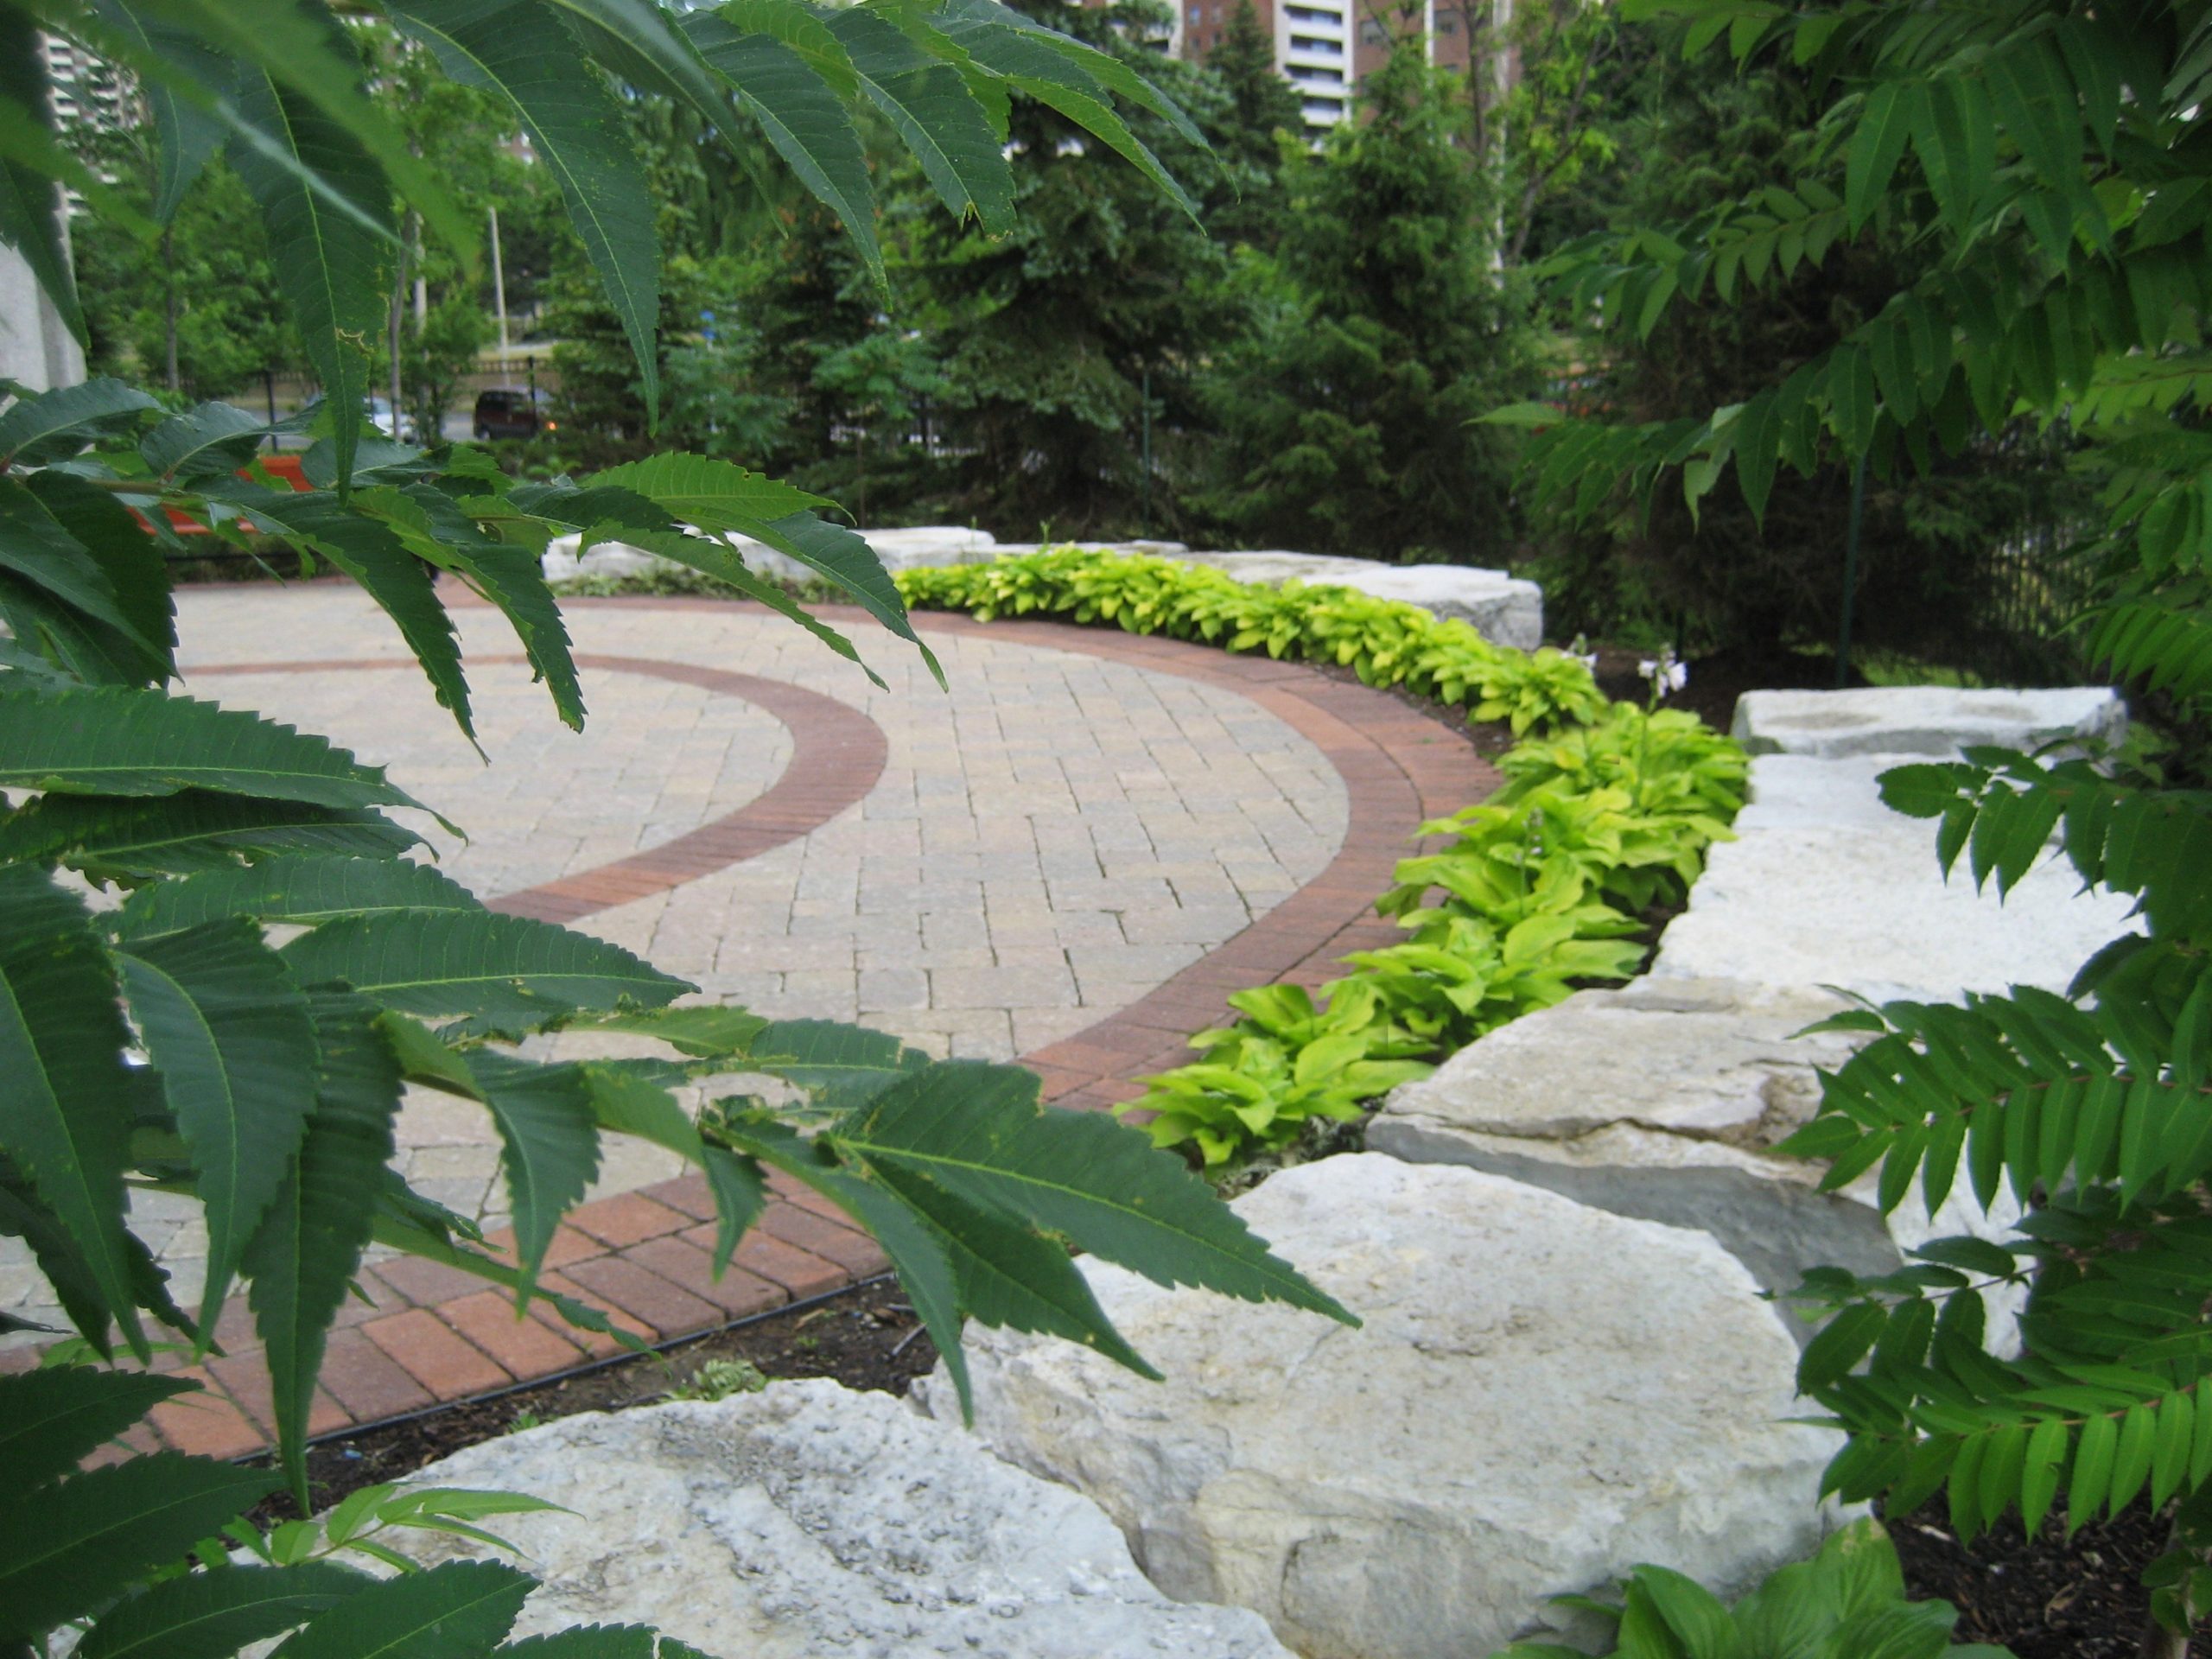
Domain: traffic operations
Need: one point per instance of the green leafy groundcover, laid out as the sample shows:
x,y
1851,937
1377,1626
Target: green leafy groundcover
x,y
1606,812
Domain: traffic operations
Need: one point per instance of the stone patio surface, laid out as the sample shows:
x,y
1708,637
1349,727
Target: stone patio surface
x,y
1071,855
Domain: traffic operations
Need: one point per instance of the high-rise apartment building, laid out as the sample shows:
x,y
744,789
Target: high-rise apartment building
x,y
1326,47
83,91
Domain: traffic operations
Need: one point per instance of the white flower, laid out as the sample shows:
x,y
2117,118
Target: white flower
x,y
1648,667
1678,676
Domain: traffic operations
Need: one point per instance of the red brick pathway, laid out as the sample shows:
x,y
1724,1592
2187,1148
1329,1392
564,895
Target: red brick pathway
x,y
431,1335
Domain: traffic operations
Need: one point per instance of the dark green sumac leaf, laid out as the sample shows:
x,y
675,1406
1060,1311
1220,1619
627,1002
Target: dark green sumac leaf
x,y
64,1550
978,1131
456,961
548,1146
301,888
214,1615
67,1101
190,830
458,1610
309,1244
51,1419
234,1043
111,741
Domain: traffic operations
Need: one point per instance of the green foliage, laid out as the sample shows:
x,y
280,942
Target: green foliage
x,y
1848,1600
1527,907
721,1379
2047,161
164,1038
153,1556
1386,642
1382,330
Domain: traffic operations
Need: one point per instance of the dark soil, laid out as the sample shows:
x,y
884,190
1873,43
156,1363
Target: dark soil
x,y
1717,681
2048,1599
865,1337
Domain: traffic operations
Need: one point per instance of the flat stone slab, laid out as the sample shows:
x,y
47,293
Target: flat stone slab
x,y
810,1520
1542,1395
1826,886
1505,610
1922,720
1662,1101
1713,1058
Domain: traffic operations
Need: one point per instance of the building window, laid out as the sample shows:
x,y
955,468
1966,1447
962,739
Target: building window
x,y
1311,77
1315,43
1447,22
1309,14
1372,33
1197,14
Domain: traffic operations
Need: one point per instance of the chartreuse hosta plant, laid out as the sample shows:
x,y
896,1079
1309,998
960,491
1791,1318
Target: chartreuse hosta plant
x,y
1538,894
1386,642
219,967
1848,1602
2050,162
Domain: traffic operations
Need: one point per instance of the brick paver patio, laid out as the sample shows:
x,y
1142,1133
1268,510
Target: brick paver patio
x,y
1071,857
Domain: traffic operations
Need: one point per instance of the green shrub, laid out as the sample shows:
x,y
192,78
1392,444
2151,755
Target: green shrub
x,y
1538,893
1386,642
1848,1602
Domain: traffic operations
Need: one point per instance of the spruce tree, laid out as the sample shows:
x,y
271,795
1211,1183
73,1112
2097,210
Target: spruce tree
x,y
1257,115
1344,418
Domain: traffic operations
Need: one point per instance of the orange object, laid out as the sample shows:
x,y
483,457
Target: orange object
x,y
284,468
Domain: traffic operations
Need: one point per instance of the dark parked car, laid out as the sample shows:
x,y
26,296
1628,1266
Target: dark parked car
x,y
511,412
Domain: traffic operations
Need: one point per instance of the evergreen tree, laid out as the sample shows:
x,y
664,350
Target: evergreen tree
x,y
1344,418
1257,114
1048,335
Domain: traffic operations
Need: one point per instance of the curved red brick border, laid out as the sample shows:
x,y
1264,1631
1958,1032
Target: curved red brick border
x,y
434,1335
837,756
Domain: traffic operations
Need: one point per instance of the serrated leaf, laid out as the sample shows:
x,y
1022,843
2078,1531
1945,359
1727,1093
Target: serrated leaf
x,y
308,1246
719,560
207,440
587,1641
214,1615
110,740
51,1419
2090,1477
930,106
549,1147
577,133
803,119
368,551
979,1131
67,1102
329,264
190,830
55,425
843,559
476,963
304,889
840,1065
1011,1276
127,557
67,1548
233,1043
458,1610
36,549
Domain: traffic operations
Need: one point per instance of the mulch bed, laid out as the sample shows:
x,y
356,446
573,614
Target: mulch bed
x,y
2044,1599
865,1337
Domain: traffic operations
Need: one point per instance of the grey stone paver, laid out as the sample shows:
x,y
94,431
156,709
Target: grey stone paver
x,y
1050,838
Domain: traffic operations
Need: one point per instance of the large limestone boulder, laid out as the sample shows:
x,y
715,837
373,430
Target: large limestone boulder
x,y
1826,886
898,549
811,1520
1542,1395
1663,1100
1922,720
1505,610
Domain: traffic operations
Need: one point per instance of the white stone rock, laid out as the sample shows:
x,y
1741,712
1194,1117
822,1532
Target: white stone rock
x,y
1825,885
811,1520
1542,1395
1662,1100
1506,610
1922,720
